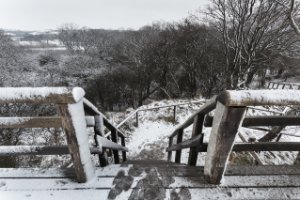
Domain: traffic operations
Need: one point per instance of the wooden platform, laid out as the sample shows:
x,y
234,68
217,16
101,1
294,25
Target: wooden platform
x,y
151,180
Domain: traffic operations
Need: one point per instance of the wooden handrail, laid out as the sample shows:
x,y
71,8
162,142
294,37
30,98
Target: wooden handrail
x,y
39,95
72,110
230,108
259,97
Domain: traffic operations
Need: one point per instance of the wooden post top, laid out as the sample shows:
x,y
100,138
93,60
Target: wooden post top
x,y
259,97
59,95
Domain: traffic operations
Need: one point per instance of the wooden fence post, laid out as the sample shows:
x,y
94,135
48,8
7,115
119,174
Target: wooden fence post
x,y
99,132
114,138
73,121
137,119
197,129
174,114
179,140
123,152
170,152
227,121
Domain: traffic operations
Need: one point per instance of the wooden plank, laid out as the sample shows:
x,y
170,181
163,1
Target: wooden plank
x,y
35,122
40,95
77,137
99,132
259,97
105,143
184,193
179,140
260,146
194,142
175,170
157,181
114,138
30,122
225,127
206,108
39,150
197,130
123,152
264,121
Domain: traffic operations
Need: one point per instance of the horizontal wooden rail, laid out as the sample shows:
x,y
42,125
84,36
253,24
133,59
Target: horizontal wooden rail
x,y
39,150
37,122
263,121
259,97
39,95
171,105
259,146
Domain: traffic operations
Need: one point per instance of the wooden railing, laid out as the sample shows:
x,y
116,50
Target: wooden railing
x,y
73,109
230,108
282,85
137,111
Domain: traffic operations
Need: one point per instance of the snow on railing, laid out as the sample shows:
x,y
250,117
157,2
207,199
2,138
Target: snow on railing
x,y
229,115
73,108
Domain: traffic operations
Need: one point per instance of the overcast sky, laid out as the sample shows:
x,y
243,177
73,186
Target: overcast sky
x,y
114,14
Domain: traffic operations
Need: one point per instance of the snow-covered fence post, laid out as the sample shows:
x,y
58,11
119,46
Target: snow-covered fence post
x,y
73,121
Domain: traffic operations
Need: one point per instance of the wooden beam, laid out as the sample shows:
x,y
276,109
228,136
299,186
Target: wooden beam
x,y
260,146
179,140
73,122
197,130
99,132
111,145
38,150
263,121
40,95
259,97
170,152
123,152
30,122
193,142
36,122
114,138
225,127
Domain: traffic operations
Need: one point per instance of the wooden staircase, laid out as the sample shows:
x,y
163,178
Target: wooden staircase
x,y
149,179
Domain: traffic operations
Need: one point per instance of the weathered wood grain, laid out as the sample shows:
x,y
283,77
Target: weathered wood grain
x,y
197,130
225,127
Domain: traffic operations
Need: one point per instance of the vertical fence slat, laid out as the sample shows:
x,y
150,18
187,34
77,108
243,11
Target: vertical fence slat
x,y
123,152
227,121
197,129
170,152
114,138
174,114
179,140
137,119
